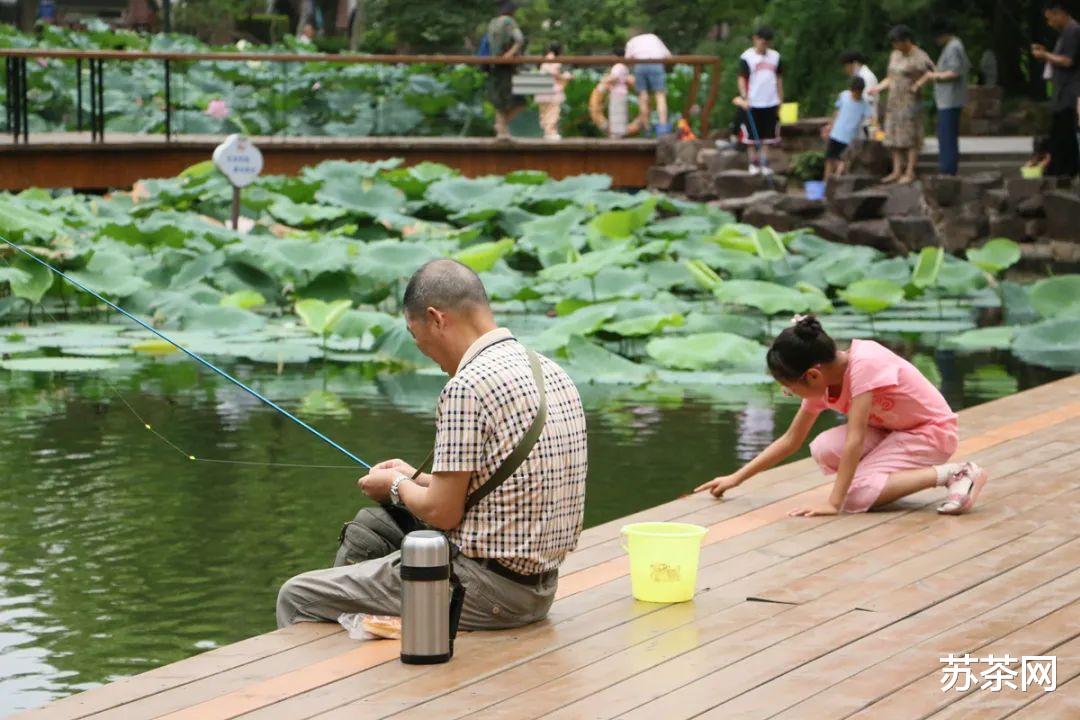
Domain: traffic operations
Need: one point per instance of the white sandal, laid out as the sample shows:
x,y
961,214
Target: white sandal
x,y
959,502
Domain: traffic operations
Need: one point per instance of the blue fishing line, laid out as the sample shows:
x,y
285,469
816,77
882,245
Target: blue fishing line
x,y
192,355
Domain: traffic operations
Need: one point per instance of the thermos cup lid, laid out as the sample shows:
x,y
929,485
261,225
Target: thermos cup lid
x,y
425,548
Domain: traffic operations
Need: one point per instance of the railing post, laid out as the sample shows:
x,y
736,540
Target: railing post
x,y
691,96
78,94
101,100
710,100
8,124
25,100
168,103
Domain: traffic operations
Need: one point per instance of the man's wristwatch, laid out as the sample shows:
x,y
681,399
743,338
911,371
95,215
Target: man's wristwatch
x,y
395,497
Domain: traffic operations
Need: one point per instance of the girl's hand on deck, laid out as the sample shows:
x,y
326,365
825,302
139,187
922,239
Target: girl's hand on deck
x,y
717,485
815,510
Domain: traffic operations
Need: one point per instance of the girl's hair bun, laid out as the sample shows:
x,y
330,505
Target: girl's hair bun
x,y
808,328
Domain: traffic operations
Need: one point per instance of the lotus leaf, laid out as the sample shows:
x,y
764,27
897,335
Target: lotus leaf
x,y
57,364
995,256
872,295
321,317
706,350
483,256
1054,343
927,267
767,297
988,338
1056,296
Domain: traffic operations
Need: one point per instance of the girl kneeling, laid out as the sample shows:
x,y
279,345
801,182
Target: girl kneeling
x,y
899,435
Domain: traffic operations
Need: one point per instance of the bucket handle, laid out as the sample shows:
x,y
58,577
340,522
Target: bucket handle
x,y
623,539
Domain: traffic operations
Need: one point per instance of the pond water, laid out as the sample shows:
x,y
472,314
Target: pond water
x,y
119,554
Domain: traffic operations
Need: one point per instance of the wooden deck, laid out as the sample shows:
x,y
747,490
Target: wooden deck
x,y
71,160
794,618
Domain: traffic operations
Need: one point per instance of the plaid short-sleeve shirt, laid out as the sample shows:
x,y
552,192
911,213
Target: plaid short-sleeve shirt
x,y
531,521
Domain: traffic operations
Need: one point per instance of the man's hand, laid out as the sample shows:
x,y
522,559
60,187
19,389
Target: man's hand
x,y
718,485
817,509
396,464
376,484
1038,52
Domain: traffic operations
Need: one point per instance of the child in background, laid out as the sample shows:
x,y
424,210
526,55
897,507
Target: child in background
x,y
1040,158
761,92
852,110
551,105
619,81
899,435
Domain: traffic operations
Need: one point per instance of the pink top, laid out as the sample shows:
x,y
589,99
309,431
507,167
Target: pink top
x,y
559,94
620,77
903,399
646,47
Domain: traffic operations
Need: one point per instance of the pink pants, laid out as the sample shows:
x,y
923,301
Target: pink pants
x,y
884,453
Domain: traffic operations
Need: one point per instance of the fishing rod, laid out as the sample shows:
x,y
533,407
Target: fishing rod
x,y
192,355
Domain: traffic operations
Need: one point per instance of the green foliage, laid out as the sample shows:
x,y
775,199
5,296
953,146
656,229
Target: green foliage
x,y
808,166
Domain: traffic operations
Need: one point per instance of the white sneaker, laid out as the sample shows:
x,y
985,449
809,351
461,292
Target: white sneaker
x,y
766,171
755,170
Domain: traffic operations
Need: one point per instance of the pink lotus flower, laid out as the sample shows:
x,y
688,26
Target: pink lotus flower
x,y
316,85
217,109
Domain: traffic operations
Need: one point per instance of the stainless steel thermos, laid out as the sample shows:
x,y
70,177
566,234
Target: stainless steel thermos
x,y
427,625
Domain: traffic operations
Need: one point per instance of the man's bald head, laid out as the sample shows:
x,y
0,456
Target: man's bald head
x,y
445,285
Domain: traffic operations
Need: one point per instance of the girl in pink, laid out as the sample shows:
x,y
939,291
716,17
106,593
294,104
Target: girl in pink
x,y
899,435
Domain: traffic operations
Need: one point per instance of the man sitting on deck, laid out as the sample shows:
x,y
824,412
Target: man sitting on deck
x,y
513,540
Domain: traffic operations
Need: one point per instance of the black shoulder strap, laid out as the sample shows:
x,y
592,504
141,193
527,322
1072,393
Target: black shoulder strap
x,y
514,460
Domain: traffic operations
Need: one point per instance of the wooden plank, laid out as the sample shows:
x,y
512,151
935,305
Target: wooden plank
x,y
608,699
987,705
185,671
903,651
924,696
1062,704
697,698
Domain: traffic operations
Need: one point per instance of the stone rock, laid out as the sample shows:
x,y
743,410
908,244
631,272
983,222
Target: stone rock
x,y
699,185
874,233
779,161
736,205
903,200
1034,228
801,206
665,149
724,160
1032,207
870,157
1019,189
738,183
831,227
1007,225
986,181
995,200
962,226
1036,252
862,205
670,178
1064,251
847,184
913,233
1062,214
686,151
762,215
949,190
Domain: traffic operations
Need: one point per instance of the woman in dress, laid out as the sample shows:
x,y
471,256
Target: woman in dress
x,y
903,110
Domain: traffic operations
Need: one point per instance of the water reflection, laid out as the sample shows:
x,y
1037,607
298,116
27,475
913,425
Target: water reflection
x,y
118,554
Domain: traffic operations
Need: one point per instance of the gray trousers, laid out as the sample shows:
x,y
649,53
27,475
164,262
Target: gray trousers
x,y
366,578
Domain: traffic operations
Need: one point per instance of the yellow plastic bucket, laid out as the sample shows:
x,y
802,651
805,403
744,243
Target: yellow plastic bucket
x,y
789,113
1031,173
663,560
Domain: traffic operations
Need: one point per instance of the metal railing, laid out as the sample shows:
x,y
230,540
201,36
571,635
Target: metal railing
x,y
17,101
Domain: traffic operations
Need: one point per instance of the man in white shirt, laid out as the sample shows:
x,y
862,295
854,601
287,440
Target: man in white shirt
x,y
761,92
649,77
854,63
